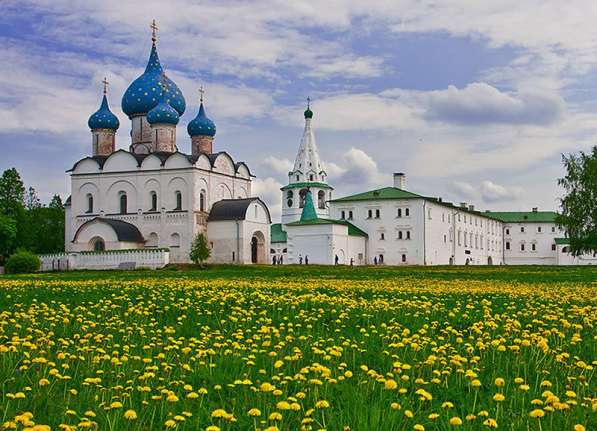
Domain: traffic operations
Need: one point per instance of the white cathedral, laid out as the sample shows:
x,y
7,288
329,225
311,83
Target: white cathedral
x,y
154,196
146,205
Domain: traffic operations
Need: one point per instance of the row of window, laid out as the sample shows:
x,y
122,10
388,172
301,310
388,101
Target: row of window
x,y
539,229
401,235
371,213
153,198
303,196
522,246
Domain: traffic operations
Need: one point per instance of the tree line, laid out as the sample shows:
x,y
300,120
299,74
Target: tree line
x,y
25,223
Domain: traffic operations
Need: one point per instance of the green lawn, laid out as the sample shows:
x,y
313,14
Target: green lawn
x,y
300,348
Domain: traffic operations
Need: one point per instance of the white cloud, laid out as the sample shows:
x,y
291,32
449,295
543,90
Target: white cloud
x,y
487,192
268,189
278,166
480,103
357,168
492,192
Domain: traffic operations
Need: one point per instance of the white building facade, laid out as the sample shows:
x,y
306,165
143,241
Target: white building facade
x,y
152,196
394,226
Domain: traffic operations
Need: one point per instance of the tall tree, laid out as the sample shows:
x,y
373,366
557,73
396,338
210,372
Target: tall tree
x,y
12,193
31,199
579,205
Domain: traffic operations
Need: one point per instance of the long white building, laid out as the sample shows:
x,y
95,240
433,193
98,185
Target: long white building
x,y
394,226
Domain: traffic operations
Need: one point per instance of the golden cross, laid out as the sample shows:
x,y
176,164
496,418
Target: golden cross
x,y
105,82
201,93
154,31
308,102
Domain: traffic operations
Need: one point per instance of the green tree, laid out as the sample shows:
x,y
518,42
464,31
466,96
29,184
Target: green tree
x,y
12,193
579,205
31,199
8,235
199,250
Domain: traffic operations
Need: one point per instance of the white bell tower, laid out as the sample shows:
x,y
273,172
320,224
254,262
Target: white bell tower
x,y
308,174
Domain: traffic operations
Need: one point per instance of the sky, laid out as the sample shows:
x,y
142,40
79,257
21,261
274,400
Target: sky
x,y
474,101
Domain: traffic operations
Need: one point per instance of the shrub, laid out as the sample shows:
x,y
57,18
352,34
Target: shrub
x,y
199,250
22,262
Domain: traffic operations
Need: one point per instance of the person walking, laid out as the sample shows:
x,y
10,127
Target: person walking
x,y
306,260
336,259
351,261
274,260
375,260
300,259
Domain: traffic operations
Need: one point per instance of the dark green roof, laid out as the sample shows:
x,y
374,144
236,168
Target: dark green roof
x,y
277,234
384,193
308,212
523,216
306,184
352,229
562,241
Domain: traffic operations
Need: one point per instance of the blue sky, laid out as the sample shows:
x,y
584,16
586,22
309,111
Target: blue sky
x,y
474,101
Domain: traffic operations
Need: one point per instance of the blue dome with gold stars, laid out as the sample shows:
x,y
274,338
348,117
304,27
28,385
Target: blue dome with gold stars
x,y
163,113
201,125
144,93
103,118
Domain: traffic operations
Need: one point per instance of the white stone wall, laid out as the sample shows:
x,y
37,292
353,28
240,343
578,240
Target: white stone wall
x,y
145,258
565,258
230,240
542,235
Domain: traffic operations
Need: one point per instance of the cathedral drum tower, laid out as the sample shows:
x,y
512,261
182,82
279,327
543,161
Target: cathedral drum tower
x,y
308,175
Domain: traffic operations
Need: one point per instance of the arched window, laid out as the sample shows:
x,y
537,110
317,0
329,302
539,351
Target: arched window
x,y
154,201
302,197
123,203
289,196
178,196
89,203
404,258
202,200
321,199
175,240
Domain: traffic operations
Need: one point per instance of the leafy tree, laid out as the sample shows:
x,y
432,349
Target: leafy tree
x,y
12,193
8,235
199,250
31,199
579,205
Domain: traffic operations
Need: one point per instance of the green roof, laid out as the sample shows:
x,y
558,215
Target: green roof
x,y
277,234
562,241
384,193
352,229
307,184
523,216
308,212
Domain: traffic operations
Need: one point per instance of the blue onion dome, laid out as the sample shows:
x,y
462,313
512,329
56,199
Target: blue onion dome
x,y
163,113
201,125
103,118
144,92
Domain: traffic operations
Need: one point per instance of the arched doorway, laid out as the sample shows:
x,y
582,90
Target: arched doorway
x,y
258,248
489,261
97,244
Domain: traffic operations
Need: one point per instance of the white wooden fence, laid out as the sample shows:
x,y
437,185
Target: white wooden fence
x,y
113,259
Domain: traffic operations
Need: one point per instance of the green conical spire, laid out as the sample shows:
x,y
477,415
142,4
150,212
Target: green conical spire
x,y
308,213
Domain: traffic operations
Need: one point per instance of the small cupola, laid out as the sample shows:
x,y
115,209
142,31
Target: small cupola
x,y
201,129
163,119
103,124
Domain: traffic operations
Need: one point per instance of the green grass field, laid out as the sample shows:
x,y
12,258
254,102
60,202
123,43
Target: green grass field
x,y
293,348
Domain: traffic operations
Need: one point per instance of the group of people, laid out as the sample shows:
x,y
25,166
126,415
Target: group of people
x,y
277,260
